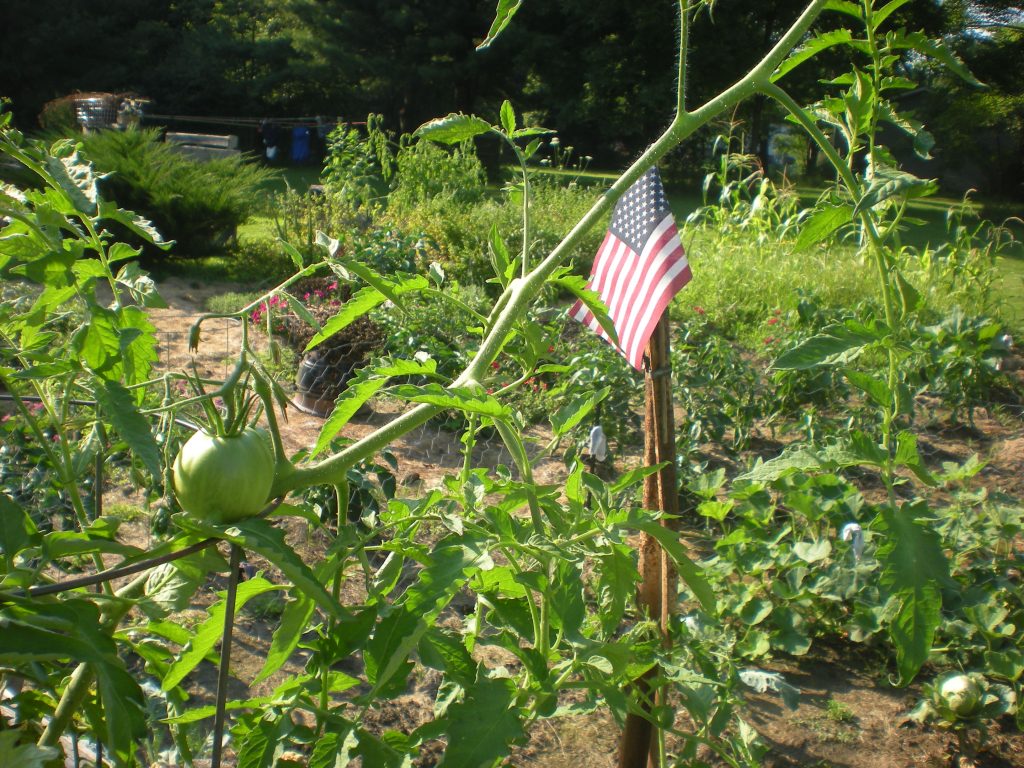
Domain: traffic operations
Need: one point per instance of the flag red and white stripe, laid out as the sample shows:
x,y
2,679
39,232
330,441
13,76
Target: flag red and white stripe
x,y
638,269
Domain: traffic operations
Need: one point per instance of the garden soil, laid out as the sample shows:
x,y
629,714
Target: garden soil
x,y
849,715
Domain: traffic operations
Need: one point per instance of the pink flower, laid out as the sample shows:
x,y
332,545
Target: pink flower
x,y
772,320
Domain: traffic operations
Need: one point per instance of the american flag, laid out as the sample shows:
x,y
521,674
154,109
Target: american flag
x,y
638,269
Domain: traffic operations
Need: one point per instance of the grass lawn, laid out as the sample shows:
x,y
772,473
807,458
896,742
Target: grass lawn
x,y
1010,290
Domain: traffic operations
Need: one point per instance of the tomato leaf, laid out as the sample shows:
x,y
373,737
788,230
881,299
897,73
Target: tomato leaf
x,y
915,571
453,129
810,49
483,724
460,398
118,406
210,631
502,16
822,223
688,571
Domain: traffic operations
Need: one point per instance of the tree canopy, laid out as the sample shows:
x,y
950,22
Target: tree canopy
x,y
599,72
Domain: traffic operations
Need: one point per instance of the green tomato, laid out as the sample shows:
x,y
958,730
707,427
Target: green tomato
x,y
224,479
961,693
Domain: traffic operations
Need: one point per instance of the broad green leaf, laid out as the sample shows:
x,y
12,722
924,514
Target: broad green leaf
x,y
791,634
845,6
293,253
616,587
460,398
355,395
259,746
118,407
362,302
392,291
450,566
387,652
137,347
168,589
810,49
137,224
935,49
17,531
688,571
261,536
889,182
568,609
910,298
65,543
883,13
482,725
294,621
508,117
812,551
908,456
837,343
139,284
499,256
436,272
209,632
592,300
502,16
1008,663
26,754
453,129
364,386
123,707
76,180
715,509
822,224
302,311
755,611
572,413
444,651
876,389
334,749
915,571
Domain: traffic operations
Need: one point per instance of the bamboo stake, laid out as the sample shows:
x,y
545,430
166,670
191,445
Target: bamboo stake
x,y
657,580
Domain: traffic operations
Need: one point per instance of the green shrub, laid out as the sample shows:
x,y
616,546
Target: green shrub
x,y
426,170
198,204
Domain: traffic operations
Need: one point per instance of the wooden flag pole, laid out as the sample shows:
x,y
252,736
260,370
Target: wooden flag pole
x,y
657,591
